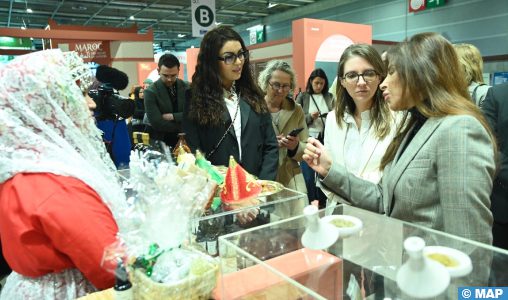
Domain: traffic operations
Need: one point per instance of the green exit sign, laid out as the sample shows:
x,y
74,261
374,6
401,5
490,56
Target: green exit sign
x,y
257,34
435,3
15,43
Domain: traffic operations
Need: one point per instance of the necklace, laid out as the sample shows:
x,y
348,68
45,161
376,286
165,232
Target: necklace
x,y
231,93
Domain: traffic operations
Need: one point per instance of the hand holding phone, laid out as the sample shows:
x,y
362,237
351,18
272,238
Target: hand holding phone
x,y
295,132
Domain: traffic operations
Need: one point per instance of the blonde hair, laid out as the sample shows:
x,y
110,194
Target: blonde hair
x,y
472,62
424,63
272,66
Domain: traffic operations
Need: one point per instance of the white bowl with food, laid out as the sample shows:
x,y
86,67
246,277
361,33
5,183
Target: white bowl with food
x,y
456,262
346,225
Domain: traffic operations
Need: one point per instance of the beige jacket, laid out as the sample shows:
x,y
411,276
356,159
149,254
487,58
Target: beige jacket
x,y
288,171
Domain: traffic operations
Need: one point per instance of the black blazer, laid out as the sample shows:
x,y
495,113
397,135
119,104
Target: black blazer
x,y
260,153
495,108
157,103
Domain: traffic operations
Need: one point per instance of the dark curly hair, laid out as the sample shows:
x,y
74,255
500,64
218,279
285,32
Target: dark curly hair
x,y
207,105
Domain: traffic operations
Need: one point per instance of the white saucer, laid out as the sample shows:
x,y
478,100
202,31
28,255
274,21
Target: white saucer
x,y
345,231
464,266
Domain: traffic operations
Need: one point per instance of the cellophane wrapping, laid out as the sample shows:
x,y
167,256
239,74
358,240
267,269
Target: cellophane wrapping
x,y
163,198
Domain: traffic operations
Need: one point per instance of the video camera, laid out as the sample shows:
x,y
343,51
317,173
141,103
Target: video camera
x,y
110,105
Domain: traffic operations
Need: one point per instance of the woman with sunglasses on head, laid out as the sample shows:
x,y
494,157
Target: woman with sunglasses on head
x,y
288,121
225,113
439,168
360,128
316,102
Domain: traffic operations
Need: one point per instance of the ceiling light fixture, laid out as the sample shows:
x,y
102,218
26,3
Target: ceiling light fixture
x,y
131,17
29,10
218,23
181,35
79,7
255,27
271,4
23,27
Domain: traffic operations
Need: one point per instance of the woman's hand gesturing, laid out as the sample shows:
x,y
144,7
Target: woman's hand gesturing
x,y
316,157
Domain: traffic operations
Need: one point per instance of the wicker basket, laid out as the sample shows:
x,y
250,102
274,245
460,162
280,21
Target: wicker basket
x,y
191,287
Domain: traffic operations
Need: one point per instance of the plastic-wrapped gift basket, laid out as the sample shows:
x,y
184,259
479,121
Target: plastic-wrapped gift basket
x,y
163,198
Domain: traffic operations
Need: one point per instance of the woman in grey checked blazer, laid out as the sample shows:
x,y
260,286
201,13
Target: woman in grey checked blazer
x,y
438,171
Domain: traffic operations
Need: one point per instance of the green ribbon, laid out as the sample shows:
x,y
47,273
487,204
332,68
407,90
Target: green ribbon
x,y
147,262
204,164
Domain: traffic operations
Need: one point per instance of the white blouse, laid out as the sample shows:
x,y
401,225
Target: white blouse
x,y
233,106
317,126
354,154
360,151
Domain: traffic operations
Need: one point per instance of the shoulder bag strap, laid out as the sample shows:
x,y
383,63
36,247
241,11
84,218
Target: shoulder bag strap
x,y
225,133
474,93
318,111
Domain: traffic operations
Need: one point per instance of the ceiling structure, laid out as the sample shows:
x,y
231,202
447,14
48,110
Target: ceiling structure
x,y
170,19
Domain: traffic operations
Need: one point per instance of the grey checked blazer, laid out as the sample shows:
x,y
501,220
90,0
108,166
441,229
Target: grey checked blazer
x,y
442,180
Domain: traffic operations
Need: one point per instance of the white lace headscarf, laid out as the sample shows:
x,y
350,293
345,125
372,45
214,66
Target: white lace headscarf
x,y
46,127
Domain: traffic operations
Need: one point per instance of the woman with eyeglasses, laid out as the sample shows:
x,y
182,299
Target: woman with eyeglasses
x,y
225,113
288,121
316,102
439,168
360,128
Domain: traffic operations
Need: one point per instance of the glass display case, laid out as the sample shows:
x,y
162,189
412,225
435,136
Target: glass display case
x,y
270,262
273,206
269,208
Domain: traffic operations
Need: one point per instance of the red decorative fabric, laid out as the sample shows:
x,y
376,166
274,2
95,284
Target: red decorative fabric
x,y
49,223
239,185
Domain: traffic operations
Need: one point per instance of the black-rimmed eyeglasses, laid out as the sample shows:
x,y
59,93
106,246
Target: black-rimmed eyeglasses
x,y
367,75
277,86
229,58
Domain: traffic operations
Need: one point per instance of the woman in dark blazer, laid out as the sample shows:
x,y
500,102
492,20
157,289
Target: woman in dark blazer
x,y
225,113
316,102
317,86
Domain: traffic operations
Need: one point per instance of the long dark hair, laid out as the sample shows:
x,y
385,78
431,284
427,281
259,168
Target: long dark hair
x,y
136,93
423,64
207,105
317,73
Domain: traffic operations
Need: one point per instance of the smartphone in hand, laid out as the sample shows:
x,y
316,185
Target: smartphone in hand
x,y
295,132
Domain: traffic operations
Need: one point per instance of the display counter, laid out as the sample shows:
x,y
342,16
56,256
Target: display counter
x,y
269,261
279,204
271,208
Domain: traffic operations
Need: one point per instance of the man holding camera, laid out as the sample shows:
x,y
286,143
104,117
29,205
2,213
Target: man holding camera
x,y
164,101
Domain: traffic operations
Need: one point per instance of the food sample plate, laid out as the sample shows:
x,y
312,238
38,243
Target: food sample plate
x,y
456,262
346,225
269,187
